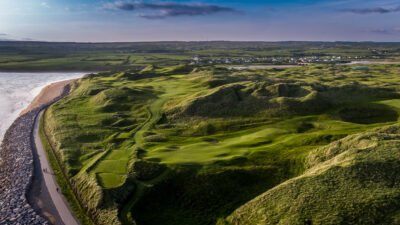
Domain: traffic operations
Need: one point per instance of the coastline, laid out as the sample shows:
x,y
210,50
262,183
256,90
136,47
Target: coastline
x,y
47,93
19,177
18,90
49,71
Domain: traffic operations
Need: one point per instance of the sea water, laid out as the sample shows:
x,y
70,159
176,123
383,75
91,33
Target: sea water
x,y
17,90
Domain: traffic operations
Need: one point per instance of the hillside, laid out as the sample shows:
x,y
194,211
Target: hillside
x,y
206,145
351,181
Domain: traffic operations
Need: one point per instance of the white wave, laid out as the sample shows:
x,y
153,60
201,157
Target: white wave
x,y
17,90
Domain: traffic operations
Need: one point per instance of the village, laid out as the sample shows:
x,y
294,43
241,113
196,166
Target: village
x,y
212,60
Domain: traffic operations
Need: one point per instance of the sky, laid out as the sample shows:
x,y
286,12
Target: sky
x,y
204,20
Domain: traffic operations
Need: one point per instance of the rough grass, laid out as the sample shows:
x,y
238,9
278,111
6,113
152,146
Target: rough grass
x,y
193,145
351,181
273,97
369,114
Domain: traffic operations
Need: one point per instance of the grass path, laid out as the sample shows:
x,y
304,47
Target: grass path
x,y
170,89
103,163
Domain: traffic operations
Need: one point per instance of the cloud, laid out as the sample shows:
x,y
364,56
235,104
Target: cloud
x,y
380,31
9,37
168,9
45,4
270,9
119,5
387,31
3,37
379,10
174,9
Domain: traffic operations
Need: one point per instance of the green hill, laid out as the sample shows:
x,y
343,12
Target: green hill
x,y
206,145
351,181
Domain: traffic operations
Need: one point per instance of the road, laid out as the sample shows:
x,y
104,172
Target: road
x,y
58,199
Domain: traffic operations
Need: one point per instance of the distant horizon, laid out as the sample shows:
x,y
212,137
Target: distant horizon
x,y
111,42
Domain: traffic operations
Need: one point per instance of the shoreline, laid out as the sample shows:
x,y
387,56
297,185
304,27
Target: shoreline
x,y
49,71
47,93
19,177
18,90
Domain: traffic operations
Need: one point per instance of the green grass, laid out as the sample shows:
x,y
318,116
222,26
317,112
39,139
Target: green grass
x,y
350,181
267,138
106,179
393,103
195,144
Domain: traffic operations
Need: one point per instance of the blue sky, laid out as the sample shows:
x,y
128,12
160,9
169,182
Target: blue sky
x,y
182,20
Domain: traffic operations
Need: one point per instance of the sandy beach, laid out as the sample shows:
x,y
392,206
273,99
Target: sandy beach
x,y
18,90
47,94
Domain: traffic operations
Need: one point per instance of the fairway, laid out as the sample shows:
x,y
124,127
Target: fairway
x,y
193,131
113,168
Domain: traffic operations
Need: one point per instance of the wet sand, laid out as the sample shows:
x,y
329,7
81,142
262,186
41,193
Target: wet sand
x,y
47,94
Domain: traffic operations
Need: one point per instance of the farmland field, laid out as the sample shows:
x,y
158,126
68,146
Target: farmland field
x,y
69,56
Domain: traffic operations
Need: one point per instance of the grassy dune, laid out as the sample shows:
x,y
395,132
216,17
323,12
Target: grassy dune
x,y
351,181
185,145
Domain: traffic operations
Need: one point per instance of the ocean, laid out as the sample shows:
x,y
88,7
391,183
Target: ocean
x,y
17,90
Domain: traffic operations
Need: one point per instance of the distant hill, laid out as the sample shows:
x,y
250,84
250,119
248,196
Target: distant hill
x,y
69,56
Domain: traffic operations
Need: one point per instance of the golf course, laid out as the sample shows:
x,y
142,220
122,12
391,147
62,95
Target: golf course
x,y
200,112
208,145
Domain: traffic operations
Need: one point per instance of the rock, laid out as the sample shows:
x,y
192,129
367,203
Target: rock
x,y
16,169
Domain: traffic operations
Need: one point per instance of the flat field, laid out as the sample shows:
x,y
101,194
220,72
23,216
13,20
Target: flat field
x,y
47,56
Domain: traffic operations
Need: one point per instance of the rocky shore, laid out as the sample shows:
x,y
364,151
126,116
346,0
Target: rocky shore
x,y
17,169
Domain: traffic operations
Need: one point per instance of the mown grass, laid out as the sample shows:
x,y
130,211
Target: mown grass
x,y
79,212
194,144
